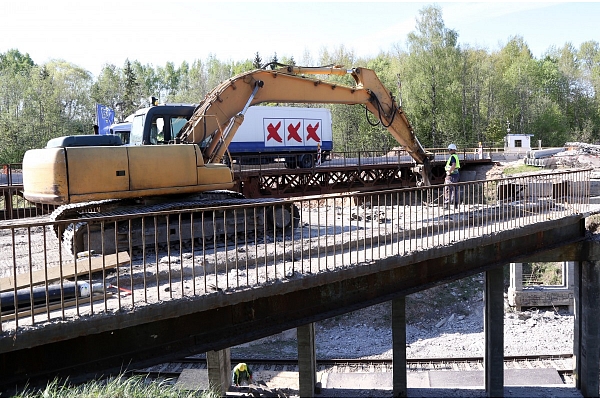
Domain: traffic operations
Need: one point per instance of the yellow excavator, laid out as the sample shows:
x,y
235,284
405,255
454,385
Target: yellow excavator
x,y
91,175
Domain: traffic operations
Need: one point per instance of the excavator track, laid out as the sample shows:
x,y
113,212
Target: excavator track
x,y
140,226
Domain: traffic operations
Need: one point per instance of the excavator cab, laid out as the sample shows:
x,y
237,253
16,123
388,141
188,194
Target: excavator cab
x,y
159,124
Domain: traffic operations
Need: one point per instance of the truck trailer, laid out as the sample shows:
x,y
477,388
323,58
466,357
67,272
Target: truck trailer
x,y
294,135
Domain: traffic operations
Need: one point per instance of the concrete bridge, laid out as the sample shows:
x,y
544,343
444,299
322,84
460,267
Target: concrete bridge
x,y
213,288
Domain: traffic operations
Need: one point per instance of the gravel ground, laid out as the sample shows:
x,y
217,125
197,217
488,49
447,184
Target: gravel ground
x,y
446,321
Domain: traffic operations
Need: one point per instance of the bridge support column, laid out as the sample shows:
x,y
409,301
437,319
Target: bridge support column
x,y
218,364
586,343
399,347
307,360
494,332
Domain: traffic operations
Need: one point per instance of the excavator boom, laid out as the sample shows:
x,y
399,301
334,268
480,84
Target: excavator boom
x,y
214,123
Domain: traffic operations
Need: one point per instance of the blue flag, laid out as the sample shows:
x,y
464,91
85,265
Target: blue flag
x,y
105,117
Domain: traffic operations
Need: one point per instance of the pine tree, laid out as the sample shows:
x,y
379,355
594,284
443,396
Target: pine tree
x,y
257,63
131,86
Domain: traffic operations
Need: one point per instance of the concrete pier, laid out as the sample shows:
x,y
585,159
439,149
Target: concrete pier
x,y
586,343
399,379
494,332
307,360
218,364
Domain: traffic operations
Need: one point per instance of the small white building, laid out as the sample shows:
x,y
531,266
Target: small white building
x,y
517,143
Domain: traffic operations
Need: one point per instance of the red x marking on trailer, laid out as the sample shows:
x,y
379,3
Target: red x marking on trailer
x,y
273,134
312,133
293,130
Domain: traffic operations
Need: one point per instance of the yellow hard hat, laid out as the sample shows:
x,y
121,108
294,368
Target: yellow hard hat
x,y
242,367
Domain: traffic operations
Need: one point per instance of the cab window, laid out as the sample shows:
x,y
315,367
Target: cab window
x,y
157,130
137,130
176,124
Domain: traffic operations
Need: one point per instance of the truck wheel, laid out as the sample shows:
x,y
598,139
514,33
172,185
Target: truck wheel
x,y
307,161
290,162
283,218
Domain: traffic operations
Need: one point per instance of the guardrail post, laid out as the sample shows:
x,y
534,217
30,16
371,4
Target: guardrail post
x,y
8,205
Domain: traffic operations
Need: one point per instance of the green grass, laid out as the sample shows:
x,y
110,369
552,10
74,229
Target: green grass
x,y
546,273
117,387
520,169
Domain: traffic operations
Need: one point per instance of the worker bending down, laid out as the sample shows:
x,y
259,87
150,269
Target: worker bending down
x,y
241,373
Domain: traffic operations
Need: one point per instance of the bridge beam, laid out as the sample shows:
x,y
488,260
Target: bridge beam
x,y
587,250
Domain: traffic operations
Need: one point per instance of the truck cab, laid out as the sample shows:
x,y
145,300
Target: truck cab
x,y
159,124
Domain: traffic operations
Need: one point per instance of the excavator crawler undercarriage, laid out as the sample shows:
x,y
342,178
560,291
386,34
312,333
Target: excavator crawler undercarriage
x,y
207,220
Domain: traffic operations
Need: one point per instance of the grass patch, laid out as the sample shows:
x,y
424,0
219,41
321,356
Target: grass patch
x,y
543,273
520,169
115,387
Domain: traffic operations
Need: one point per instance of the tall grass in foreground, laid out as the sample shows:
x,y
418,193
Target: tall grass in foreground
x,y
116,387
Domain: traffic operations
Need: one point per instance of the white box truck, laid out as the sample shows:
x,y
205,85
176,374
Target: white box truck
x,y
291,134
294,135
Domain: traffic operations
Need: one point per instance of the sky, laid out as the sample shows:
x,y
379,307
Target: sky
x,y
91,34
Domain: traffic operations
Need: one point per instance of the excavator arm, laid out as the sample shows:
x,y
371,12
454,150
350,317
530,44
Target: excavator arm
x,y
215,121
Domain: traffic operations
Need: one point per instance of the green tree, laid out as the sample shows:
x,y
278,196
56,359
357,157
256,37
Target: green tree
x,y
148,81
274,61
16,62
108,88
257,63
131,92
431,73
195,85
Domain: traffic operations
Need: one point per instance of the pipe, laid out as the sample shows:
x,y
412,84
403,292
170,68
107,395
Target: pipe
x,y
24,297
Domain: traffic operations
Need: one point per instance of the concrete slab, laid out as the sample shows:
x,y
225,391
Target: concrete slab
x,y
197,379
512,377
360,380
278,379
417,379
441,379
529,377
193,379
455,379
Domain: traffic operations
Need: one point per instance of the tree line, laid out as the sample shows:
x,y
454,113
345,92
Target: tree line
x,y
450,93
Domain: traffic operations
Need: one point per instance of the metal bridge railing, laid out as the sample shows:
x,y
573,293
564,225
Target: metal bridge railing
x,y
125,262
14,206
344,159
12,203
